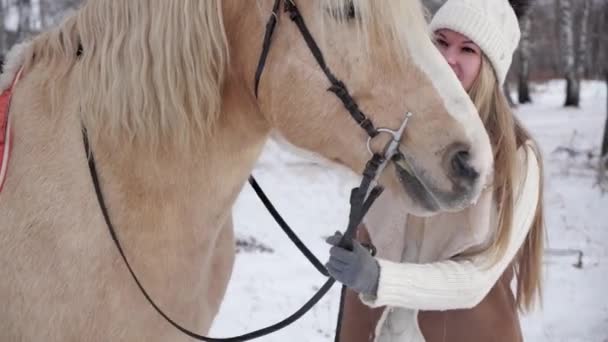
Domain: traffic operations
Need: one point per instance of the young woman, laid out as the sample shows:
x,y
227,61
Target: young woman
x,y
458,289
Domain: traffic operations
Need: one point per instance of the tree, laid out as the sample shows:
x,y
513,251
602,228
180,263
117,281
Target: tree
x,y
567,50
604,152
583,42
2,36
523,90
52,11
507,91
25,16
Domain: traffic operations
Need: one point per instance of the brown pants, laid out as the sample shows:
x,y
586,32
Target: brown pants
x,y
494,319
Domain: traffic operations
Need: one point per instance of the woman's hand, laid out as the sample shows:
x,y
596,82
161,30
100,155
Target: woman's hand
x,y
357,269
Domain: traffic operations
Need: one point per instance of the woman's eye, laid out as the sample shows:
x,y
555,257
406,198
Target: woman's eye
x,y
469,50
441,42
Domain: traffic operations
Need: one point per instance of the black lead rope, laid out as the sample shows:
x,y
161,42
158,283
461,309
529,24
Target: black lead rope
x,y
245,337
359,207
285,227
359,200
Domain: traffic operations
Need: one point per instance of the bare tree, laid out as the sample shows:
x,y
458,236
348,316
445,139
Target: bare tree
x,y
604,152
583,42
51,11
25,16
598,27
2,35
567,50
604,149
523,90
507,91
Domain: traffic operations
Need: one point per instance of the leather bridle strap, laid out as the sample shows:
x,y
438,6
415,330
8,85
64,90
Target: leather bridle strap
x,y
270,25
337,87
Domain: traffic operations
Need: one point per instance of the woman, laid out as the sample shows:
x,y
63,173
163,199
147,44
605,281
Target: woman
x,y
458,289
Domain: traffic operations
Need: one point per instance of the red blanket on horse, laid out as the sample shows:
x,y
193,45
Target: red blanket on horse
x,y
5,132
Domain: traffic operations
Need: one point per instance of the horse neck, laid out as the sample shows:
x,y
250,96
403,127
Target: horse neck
x,y
198,185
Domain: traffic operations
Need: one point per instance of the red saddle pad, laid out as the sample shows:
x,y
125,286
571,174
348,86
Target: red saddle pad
x,y
5,130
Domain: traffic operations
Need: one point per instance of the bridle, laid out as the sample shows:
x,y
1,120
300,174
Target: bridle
x,y
361,197
337,86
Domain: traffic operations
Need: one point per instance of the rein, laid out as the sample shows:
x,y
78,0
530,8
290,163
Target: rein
x,y
361,198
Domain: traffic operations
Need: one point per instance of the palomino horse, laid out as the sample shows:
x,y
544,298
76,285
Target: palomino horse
x,y
165,90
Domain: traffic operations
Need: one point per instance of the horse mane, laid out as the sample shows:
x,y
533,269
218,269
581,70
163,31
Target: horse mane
x,y
397,24
150,72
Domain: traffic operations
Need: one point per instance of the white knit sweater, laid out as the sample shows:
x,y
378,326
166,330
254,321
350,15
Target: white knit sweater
x,y
406,287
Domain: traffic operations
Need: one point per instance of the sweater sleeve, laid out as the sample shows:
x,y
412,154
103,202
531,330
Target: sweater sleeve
x,y
459,284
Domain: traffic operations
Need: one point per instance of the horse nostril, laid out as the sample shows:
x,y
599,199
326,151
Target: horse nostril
x,y
461,168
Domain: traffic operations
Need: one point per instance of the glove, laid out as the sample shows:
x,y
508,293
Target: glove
x,y
357,269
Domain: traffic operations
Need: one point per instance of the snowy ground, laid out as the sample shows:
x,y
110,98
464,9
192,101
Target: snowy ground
x,y
271,281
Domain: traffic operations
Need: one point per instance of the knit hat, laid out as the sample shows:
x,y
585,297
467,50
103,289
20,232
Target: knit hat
x,y
491,24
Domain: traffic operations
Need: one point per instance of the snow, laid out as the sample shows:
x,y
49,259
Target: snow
x,y
272,279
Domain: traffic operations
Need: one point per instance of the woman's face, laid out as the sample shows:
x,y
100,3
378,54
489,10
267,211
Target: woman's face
x,y
462,55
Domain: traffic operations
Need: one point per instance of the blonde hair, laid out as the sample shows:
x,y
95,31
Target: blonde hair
x,y
507,134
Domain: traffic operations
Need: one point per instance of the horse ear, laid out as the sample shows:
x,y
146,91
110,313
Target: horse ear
x,y
520,7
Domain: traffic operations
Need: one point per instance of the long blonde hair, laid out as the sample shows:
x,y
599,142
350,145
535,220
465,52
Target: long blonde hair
x,y
507,134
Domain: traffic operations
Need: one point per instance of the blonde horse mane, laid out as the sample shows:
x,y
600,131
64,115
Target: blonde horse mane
x,y
152,71
396,24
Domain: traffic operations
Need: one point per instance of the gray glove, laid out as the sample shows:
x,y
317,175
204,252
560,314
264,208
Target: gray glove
x,y
357,269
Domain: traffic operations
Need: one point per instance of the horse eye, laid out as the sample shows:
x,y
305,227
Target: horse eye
x,y
346,13
350,10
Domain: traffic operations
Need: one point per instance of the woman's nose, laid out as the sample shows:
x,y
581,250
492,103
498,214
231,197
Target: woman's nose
x,y
450,57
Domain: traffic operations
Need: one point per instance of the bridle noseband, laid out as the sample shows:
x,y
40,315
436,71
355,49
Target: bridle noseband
x,y
361,197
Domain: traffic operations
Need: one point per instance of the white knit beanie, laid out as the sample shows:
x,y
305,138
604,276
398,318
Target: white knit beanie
x,y
491,24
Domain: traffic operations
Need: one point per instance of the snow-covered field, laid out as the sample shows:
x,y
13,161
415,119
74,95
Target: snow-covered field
x,y
272,279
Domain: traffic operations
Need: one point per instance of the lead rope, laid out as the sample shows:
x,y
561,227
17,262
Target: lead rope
x,y
359,206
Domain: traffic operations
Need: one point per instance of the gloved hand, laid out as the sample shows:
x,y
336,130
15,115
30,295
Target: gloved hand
x,y
357,269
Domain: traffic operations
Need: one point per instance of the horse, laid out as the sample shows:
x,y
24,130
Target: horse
x,y
164,91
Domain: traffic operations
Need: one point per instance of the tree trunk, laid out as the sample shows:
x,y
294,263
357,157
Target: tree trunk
x,y
523,91
25,14
2,36
583,43
567,47
605,141
507,92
